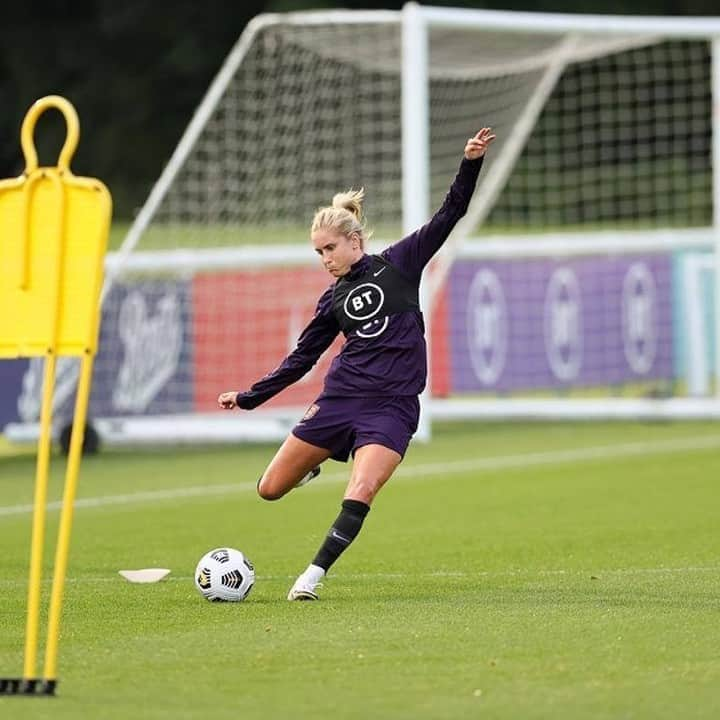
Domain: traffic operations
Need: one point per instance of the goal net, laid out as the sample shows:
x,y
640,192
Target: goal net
x,y
580,284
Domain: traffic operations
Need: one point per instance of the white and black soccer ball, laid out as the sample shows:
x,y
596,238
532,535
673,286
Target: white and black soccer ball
x,y
224,575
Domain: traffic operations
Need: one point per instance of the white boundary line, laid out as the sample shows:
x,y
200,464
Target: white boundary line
x,y
594,574
488,464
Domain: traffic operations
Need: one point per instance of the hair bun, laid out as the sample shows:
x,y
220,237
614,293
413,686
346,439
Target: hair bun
x,y
351,201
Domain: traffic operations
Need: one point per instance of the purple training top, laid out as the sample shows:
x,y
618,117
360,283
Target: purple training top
x,y
386,355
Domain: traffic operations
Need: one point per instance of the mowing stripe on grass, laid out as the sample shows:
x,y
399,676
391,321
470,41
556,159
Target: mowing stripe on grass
x,y
487,464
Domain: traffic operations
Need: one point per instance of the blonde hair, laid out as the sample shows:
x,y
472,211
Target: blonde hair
x,y
343,216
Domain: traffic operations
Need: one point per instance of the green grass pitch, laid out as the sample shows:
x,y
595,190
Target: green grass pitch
x,y
508,571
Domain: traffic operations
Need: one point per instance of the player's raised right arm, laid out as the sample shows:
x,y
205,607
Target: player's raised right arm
x,y
413,252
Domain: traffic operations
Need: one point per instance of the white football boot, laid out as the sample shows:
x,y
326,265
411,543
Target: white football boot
x,y
307,478
305,587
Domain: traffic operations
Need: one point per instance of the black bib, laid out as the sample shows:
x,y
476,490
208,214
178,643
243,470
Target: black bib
x,y
383,290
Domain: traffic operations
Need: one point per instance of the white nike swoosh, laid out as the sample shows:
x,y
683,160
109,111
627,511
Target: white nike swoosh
x,y
378,272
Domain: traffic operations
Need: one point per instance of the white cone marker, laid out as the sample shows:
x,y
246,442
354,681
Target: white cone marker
x,y
146,575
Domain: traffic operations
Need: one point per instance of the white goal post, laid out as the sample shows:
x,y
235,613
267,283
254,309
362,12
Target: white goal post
x,y
580,285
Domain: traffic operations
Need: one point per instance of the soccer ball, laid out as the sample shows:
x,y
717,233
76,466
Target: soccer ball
x,y
224,575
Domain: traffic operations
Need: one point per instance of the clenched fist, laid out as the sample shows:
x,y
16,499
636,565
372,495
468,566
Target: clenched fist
x,y
227,400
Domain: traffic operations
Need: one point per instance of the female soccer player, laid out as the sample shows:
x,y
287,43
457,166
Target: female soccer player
x,y
369,405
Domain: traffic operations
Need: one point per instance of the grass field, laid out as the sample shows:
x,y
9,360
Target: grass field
x,y
508,571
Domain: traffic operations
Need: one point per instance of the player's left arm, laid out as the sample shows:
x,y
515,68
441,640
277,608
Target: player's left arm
x,y
413,252
317,337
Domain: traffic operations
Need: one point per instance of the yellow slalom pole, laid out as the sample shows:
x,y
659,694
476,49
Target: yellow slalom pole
x,y
38,524
66,518
37,541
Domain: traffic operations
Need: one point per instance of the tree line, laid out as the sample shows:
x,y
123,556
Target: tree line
x,y
136,71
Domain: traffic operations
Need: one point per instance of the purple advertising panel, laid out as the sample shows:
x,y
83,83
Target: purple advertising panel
x,y
542,324
145,366
11,377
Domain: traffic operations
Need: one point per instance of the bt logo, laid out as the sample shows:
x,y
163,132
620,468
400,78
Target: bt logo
x,y
364,302
563,324
639,318
487,326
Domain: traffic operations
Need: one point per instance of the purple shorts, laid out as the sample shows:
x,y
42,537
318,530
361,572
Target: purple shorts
x,y
343,424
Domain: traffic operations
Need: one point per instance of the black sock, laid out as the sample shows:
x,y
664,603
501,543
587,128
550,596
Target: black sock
x,y
342,533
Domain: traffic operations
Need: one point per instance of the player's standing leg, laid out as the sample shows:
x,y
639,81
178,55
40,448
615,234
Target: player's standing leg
x,y
372,467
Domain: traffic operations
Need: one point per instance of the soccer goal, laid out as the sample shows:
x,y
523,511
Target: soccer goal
x,y
581,284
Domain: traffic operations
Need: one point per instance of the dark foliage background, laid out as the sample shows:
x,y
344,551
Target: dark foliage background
x,y
136,71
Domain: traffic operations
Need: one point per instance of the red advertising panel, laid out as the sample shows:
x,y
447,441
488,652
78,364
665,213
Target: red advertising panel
x,y
245,323
440,348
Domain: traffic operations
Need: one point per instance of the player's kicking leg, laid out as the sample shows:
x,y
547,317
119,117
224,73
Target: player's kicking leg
x,y
295,464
